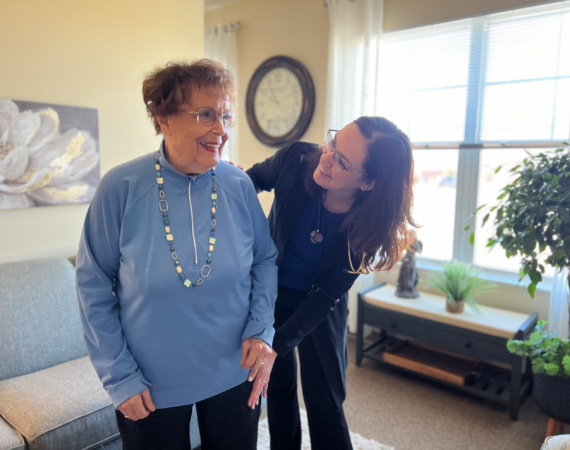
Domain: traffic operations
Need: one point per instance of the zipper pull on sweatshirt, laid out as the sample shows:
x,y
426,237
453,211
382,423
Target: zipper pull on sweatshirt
x,y
192,217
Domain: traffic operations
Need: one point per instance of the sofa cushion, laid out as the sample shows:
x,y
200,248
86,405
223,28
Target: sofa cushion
x,y
63,407
10,439
39,324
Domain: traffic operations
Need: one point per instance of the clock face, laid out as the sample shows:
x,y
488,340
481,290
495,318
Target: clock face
x,y
278,102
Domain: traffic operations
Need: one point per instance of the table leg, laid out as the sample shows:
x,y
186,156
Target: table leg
x,y
560,428
550,429
516,382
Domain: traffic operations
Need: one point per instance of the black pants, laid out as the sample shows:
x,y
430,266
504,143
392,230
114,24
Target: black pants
x,y
323,359
225,422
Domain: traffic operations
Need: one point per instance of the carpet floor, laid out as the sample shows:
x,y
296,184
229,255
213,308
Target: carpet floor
x,y
410,413
359,442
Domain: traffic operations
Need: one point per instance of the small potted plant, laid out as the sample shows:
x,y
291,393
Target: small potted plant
x,y
550,358
460,284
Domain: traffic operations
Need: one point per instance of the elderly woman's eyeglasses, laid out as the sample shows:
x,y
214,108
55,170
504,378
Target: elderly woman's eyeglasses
x,y
208,116
339,164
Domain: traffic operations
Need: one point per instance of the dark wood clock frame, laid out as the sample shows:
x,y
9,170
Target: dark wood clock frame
x,y
307,87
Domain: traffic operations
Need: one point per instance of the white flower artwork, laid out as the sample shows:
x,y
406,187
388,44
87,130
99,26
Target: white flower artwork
x,y
49,154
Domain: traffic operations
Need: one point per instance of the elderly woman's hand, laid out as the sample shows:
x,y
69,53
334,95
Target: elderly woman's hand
x,y
138,406
261,380
253,355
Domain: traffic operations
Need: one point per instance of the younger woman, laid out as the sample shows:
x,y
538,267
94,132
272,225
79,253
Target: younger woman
x,y
337,208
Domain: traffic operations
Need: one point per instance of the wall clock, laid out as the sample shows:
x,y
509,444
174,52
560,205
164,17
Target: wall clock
x,y
280,101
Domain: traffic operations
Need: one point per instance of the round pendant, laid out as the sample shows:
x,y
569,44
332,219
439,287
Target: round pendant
x,y
317,237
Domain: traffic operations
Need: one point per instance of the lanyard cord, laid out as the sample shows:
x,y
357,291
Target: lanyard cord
x,y
316,236
361,269
319,215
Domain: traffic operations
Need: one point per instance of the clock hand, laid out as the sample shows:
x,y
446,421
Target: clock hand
x,y
273,94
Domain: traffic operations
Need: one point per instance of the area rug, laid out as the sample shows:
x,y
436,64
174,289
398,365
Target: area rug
x,y
358,442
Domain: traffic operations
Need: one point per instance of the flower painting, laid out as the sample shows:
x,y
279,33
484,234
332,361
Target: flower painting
x,y
49,154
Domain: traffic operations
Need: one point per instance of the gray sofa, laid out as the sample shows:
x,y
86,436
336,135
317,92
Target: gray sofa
x,y
50,395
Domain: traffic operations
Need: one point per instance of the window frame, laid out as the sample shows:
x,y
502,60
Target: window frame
x,y
468,165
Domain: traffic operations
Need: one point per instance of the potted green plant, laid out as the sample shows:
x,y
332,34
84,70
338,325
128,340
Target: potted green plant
x,y
533,215
550,358
460,284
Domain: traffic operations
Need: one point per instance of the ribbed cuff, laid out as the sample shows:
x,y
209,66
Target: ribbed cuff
x,y
127,388
259,330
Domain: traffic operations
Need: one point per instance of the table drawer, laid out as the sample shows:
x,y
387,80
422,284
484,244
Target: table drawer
x,y
469,346
394,323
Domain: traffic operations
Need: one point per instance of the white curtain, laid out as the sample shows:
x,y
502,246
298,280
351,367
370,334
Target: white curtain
x,y
354,46
559,303
220,44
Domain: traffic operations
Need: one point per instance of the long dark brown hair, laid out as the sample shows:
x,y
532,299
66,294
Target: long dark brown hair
x,y
378,221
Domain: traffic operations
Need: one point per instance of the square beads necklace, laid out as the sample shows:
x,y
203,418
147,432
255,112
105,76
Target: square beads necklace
x,y
163,206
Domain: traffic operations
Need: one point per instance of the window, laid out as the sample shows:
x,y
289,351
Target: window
x,y
435,177
473,94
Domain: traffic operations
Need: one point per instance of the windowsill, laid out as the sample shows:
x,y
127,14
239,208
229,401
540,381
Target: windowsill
x,y
490,274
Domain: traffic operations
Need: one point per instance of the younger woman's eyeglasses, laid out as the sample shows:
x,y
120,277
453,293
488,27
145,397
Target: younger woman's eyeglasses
x,y
208,116
339,164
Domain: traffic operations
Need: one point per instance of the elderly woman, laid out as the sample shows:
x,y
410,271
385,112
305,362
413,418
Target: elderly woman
x,y
176,274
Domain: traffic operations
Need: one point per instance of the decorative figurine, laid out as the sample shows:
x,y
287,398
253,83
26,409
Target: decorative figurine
x,y
408,278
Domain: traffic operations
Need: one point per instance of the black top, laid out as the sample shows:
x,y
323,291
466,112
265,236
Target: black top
x,y
284,173
302,257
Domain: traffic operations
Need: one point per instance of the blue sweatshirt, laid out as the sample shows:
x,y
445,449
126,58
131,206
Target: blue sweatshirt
x,y
143,327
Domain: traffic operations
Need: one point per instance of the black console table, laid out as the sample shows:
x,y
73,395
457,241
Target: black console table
x,y
479,335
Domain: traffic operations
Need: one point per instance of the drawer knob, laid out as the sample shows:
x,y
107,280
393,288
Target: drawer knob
x,y
468,345
395,325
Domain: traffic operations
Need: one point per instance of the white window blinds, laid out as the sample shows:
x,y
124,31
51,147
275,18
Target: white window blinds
x,y
497,79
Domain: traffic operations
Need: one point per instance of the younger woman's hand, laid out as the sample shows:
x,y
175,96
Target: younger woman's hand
x,y
239,167
261,380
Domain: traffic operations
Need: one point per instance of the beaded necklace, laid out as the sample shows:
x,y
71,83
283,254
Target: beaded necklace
x,y
163,206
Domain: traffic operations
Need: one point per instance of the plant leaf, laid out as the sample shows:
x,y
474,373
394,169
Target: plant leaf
x,y
551,369
566,364
531,289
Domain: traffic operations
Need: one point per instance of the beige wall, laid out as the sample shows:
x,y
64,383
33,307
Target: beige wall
x,y
90,54
295,28
299,29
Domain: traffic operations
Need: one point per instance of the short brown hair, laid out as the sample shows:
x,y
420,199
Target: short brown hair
x,y
166,88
